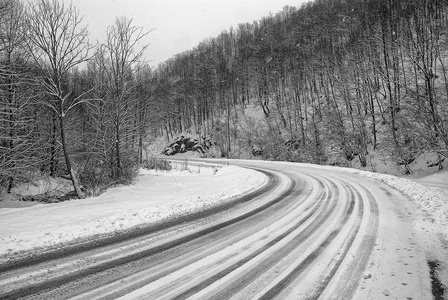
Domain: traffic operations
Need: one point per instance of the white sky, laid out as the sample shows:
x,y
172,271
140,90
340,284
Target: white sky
x,y
178,25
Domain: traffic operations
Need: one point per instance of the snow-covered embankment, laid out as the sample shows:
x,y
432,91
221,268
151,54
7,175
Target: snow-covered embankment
x,y
431,200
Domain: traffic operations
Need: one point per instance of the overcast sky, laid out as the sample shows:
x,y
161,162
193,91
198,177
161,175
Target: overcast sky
x,y
178,25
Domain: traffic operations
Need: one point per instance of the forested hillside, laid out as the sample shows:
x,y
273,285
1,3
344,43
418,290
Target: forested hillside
x,y
336,79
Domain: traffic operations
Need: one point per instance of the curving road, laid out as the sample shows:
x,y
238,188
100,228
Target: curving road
x,y
308,233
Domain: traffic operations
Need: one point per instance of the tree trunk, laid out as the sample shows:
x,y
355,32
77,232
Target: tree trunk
x,y
117,149
228,129
72,174
53,150
11,121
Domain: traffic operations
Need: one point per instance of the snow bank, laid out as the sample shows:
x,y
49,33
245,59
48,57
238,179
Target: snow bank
x,y
438,180
155,197
433,201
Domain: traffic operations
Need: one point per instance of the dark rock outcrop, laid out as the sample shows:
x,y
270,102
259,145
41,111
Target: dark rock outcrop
x,y
184,144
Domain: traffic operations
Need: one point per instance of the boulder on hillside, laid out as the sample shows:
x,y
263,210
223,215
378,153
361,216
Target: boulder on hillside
x,y
184,144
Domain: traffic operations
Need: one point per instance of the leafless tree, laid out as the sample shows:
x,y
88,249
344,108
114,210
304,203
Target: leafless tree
x,y
123,53
58,42
17,142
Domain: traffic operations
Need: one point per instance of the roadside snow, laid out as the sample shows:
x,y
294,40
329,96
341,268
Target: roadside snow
x,y
433,201
156,196
438,180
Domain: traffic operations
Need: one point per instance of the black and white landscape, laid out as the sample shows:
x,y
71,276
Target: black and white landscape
x,y
301,155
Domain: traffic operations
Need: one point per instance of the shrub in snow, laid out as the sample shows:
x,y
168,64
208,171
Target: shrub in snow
x,y
154,163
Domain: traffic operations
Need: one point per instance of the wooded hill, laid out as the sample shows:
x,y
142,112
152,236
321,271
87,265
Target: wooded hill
x,y
336,79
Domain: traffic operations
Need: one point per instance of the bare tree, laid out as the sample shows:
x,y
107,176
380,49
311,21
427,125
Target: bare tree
x,y
58,42
122,56
17,140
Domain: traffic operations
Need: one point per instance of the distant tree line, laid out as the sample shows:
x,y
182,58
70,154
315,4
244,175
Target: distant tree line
x,y
67,107
333,77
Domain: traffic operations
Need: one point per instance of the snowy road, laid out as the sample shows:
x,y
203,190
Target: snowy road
x,y
308,234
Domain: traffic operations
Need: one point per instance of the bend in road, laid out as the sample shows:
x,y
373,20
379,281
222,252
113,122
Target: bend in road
x,y
310,234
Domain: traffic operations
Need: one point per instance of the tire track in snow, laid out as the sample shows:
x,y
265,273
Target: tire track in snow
x,y
242,281
250,276
279,206
304,264
264,252
12,290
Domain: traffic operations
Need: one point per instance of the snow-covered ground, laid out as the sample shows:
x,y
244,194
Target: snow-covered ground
x,y
437,180
432,200
156,196
430,192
